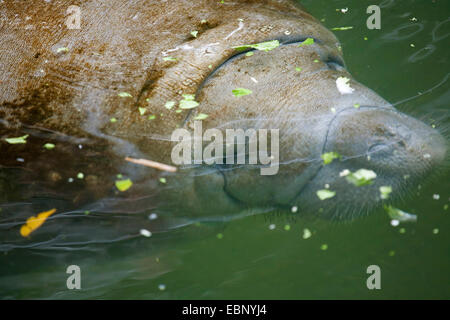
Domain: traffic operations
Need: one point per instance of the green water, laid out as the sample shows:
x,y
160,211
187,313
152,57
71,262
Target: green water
x,y
248,260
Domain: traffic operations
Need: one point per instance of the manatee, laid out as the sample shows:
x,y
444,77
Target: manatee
x,y
112,89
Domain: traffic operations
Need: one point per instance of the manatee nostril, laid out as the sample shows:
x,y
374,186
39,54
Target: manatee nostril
x,y
378,147
334,63
334,66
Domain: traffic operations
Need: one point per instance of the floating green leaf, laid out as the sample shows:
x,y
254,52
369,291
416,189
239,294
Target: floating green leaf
x,y
241,92
306,234
62,49
307,42
169,59
341,28
325,194
399,215
124,185
249,54
362,177
189,97
329,157
125,95
298,69
49,146
201,116
142,111
385,191
17,140
169,105
263,46
188,104
194,33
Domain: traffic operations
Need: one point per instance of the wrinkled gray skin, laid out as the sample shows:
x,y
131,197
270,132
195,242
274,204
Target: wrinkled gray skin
x,y
121,47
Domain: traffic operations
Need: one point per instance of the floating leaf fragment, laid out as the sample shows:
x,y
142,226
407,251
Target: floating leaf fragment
x,y
49,146
362,177
342,28
385,191
325,194
201,116
399,215
124,185
324,247
239,92
306,234
145,233
188,104
153,216
34,222
162,180
307,42
162,287
194,33
151,117
169,105
298,69
263,46
328,157
249,54
125,95
169,59
342,84
189,97
17,140
142,111
62,49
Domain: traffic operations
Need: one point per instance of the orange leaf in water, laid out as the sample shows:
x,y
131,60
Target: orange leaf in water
x,y
35,222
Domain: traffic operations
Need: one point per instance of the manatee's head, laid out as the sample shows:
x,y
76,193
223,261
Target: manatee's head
x,y
402,151
300,88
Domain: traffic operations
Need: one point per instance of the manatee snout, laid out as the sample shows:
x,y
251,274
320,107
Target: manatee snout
x,y
401,150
